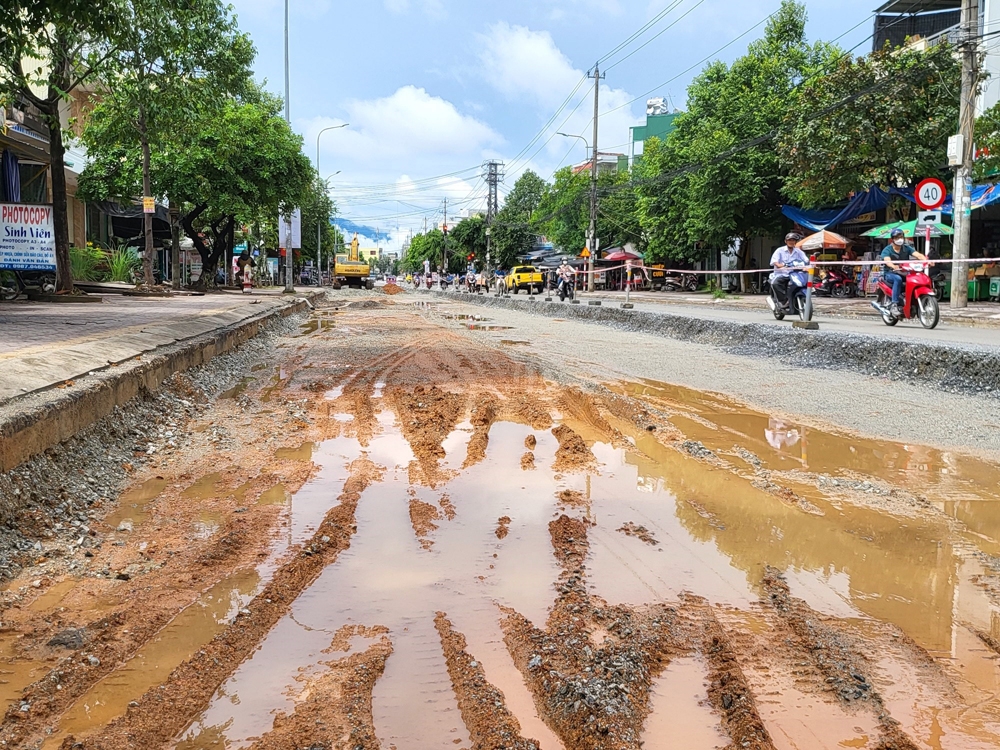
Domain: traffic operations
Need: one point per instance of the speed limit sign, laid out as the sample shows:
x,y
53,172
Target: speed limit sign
x,y
930,194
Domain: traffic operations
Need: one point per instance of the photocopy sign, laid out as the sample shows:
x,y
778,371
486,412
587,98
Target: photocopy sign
x,y
27,238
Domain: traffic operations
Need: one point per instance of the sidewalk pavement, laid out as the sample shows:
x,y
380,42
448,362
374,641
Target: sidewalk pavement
x,y
985,314
43,345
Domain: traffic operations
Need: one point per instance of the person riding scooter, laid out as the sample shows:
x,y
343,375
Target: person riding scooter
x,y
896,252
782,261
566,277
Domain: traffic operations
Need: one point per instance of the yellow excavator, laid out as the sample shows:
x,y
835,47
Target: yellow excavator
x,y
350,270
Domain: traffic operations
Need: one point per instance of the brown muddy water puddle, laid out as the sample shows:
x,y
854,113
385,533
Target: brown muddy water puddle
x,y
714,533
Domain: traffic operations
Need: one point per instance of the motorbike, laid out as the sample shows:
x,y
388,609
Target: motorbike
x,y
684,282
838,284
565,289
797,303
919,300
15,283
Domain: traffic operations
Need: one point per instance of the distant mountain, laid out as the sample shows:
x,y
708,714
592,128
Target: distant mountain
x,y
348,227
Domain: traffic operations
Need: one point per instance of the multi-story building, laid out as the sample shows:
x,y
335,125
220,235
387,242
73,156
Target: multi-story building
x,y
921,23
659,124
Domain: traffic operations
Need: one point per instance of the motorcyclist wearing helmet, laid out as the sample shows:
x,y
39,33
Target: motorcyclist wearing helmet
x,y
565,272
781,262
896,252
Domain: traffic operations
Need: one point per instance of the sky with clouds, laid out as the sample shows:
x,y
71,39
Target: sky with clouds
x,y
433,88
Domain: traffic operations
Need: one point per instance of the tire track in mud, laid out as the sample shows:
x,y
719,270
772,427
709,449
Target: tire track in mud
x,y
112,639
163,712
337,709
833,652
592,666
491,725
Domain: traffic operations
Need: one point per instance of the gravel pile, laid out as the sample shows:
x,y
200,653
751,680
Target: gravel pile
x,y
48,504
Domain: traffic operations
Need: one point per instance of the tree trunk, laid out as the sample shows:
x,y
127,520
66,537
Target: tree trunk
x,y
175,246
187,221
60,209
147,191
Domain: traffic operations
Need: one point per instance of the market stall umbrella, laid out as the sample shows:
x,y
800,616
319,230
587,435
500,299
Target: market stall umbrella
x,y
622,255
823,240
909,228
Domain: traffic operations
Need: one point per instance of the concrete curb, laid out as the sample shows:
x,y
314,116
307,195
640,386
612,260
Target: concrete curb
x,y
959,368
47,418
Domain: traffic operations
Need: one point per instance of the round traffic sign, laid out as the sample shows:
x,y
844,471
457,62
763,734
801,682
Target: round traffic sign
x,y
930,193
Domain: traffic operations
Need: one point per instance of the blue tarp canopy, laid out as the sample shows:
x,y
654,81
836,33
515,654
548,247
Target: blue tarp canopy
x,y
875,198
871,200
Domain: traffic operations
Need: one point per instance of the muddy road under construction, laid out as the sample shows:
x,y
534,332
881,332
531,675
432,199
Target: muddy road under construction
x,y
406,525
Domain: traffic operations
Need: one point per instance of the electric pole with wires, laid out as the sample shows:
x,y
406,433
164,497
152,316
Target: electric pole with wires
x,y
592,235
492,175
961,199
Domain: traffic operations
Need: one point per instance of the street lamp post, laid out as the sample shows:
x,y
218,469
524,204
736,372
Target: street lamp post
x,y
289,286
319,227
591,239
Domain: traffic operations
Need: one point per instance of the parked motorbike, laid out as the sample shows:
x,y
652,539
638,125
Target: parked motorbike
x,y
797,303
919,300
565,289
15,283
683,282
838,284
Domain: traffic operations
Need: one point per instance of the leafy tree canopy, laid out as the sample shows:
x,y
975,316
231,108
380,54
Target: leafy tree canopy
x,y
717,176
469,237
512,234
883,119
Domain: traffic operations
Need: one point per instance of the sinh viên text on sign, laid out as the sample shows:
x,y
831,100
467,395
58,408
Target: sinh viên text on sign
x,y
27,238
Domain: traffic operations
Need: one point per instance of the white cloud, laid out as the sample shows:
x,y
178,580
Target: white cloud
x,y
410,123
521,63
407,133
527,66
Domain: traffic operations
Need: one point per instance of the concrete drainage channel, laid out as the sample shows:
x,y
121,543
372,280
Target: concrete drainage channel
x,y
953,368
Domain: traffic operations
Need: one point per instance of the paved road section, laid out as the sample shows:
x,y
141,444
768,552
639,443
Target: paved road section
x,y
985,314
45,344
830,315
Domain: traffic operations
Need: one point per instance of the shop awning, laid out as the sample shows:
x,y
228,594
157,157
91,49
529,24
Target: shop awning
x,y
862,203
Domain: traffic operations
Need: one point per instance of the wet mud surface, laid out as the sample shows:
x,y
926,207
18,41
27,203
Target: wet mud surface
x,y
389,533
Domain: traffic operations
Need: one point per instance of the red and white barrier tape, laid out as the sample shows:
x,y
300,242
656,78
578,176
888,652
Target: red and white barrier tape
x,y
817,264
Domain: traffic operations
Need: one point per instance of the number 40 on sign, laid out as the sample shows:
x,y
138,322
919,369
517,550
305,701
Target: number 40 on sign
x,y
930,194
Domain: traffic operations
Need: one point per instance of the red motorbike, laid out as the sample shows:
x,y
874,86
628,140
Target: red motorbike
x,y
836,283
919,300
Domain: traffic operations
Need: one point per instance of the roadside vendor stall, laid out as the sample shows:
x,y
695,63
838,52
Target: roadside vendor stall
x,y
615,273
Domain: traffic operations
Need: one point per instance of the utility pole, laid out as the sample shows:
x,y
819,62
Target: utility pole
x,y
289,287
592,236
961,199
444,248
493,175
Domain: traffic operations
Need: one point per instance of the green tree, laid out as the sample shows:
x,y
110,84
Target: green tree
x,y
512,233
717,178
563,214
881,120
318,210
170,61
241,165
427,246
71,40
468,237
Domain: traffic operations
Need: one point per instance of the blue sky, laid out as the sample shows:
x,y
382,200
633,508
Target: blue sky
x,y
432,88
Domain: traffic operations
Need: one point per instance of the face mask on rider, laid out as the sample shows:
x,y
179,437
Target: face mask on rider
x,y
898,241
